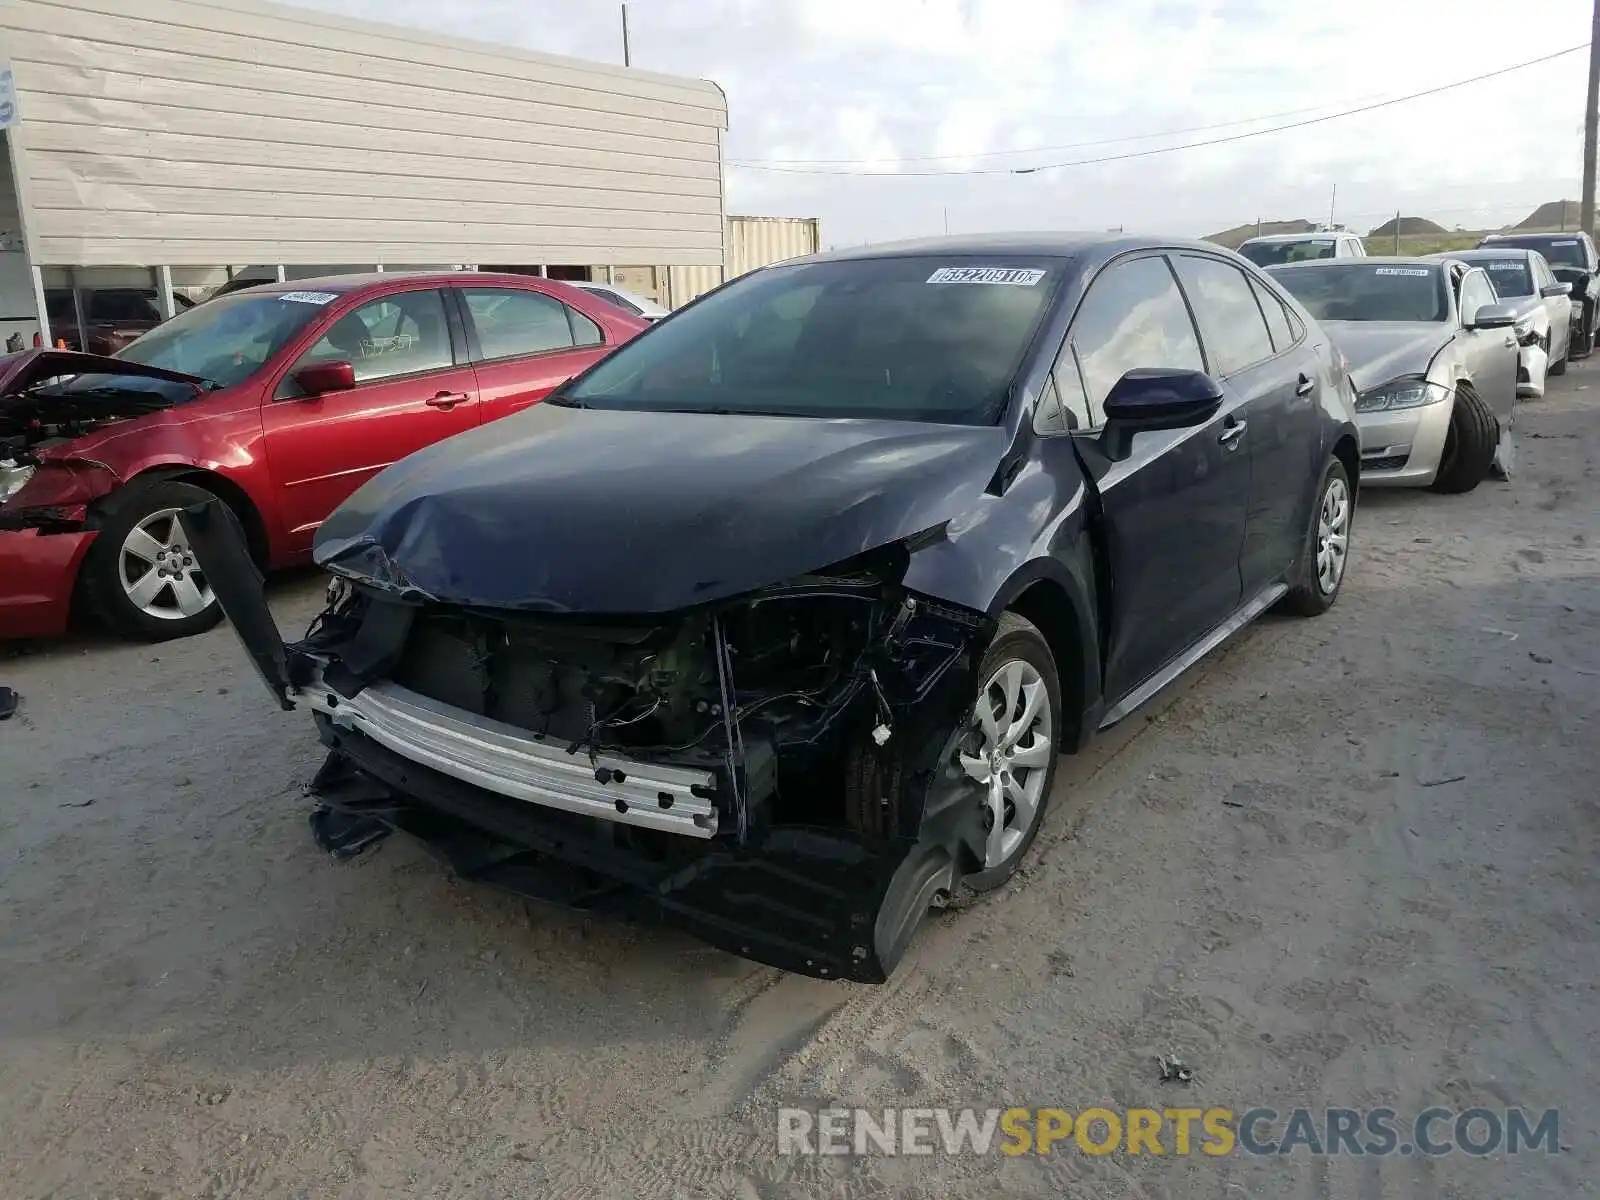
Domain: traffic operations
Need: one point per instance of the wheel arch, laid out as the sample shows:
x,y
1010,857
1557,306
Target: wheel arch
x,y
1059,605
226,490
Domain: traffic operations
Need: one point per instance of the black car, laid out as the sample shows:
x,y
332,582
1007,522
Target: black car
x,y
1573,260
772,623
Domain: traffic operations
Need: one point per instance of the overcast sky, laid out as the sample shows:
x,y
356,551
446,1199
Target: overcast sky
x,y
945,85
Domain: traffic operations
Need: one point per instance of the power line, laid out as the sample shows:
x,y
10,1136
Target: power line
x,y
1131,154
1111,141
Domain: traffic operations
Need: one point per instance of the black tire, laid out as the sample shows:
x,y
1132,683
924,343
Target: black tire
x,y
1557,369
1470,445
1307,596
1016,639
1583,344
105,598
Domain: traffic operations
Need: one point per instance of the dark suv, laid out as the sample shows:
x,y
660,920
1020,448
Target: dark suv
x,y
112,317
1573,260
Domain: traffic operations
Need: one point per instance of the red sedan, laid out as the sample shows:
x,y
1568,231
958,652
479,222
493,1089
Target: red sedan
x,y
281,400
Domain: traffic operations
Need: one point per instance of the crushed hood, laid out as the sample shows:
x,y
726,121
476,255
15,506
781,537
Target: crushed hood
x,y
1379,351
561,509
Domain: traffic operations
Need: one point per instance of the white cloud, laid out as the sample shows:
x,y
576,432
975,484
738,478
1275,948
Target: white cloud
x,y
894,80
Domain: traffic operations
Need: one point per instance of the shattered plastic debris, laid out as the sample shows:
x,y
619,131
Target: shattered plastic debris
x,y
8,702
1173,1069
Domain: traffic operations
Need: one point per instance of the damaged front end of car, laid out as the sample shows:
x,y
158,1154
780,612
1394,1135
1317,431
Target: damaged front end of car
x,y
776,773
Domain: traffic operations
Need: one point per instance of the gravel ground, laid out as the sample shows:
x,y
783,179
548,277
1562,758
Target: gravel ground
x,y
1348,862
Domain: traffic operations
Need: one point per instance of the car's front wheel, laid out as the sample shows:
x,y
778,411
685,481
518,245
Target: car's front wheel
x,y
141,579
1009,748
1469,446
1327,548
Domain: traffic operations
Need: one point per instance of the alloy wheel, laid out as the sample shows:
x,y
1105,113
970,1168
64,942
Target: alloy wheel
x,y
1009,748
1333,535
158,571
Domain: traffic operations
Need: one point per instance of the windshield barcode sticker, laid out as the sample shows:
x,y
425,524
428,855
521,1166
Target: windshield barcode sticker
x,y
1569,242
310,297
1007,276
1505,264
1421,272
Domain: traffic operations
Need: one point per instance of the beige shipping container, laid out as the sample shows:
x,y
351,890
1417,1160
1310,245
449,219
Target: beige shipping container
x,y
751,242
198,132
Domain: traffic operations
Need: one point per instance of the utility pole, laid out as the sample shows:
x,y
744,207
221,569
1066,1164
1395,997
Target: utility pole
x,y
627,51
1334,199
1591,123
1397,233
947,207
1258,226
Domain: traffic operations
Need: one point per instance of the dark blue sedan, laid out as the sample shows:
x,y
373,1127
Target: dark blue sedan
x,y
773,623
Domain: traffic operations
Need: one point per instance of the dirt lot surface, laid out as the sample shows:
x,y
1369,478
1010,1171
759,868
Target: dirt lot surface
x,y
1350,861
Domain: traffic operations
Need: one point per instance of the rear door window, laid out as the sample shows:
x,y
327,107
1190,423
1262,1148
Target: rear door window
x,y
512,322
1231,323
1277,317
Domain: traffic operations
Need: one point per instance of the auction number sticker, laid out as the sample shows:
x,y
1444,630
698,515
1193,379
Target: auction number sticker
x,y
1505,264
1420,272
1005,276
1568,242
310,297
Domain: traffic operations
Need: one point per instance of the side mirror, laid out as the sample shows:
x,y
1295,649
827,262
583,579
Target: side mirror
x,y
323,377
1493,316
1555,289
1151,398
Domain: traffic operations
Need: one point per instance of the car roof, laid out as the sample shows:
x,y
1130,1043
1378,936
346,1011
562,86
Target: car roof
x,y
1570,235
340,284
1486,252
1310,234
1371,260
1059,245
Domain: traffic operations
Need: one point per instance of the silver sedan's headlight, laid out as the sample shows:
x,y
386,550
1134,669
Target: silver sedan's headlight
x,y
1411,392
12,479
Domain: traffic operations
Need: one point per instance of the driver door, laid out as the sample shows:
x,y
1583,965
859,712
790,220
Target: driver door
x,y
414,387
1176,508
1491,353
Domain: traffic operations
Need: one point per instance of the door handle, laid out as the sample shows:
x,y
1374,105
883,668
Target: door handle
x,y
1305,386
447,400
1232,432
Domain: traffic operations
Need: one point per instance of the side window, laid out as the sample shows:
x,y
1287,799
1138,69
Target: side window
x,y
513,322
1133,316
584,331
1475,293
1277,317
400,334
1063,407
1230,320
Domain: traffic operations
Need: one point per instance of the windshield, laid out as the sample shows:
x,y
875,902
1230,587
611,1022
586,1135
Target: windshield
x,y
1558,251
1511,276
230,338
1368,291
909,339
1270,254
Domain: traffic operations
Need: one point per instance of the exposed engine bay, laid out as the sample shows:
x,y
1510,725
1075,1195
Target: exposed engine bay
x,y
778,773
785,694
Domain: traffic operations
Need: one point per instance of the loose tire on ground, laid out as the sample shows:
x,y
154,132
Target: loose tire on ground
x,y
103,584
1309,595
1469,447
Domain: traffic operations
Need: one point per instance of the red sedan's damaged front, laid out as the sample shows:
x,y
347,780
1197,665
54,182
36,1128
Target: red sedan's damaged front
x,y
47,493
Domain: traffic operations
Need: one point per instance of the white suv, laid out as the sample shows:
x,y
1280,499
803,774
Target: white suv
x,y
1275,249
